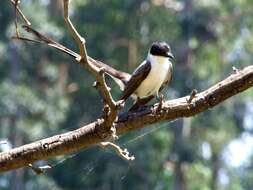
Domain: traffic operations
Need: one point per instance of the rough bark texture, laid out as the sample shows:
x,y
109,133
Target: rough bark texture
x,y
96,132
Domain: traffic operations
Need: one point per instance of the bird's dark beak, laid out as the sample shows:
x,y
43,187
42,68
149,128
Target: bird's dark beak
x,y
170,55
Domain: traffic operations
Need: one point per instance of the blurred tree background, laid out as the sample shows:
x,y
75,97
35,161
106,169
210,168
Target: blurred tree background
x,y
43,93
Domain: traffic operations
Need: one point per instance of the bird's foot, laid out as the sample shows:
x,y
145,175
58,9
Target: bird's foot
x,y
120,104
160,103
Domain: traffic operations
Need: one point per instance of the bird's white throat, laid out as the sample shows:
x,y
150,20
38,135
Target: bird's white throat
x,y
158,59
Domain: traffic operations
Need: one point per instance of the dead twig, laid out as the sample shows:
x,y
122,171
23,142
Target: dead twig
x,y
192,95
45,40
16,18
123,153
112,107
17,9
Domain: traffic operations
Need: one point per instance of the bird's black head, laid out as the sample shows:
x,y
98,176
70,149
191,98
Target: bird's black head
x,y
161,49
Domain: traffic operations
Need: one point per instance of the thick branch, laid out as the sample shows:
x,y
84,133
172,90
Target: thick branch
x,y
90,134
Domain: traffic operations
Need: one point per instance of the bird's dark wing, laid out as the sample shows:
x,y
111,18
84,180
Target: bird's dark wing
x,y
137,77
168,79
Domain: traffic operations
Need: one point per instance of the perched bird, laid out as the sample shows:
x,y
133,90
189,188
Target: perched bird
x,y
147,80
150,77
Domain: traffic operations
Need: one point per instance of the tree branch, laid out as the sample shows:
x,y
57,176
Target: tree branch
x,y
43,39
89,135
17,9
111,108
97,131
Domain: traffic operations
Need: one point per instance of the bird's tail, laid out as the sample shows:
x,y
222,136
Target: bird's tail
x,y
118,81
140,103
119,77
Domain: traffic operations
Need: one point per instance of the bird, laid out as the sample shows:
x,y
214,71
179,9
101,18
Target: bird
x,y
150,77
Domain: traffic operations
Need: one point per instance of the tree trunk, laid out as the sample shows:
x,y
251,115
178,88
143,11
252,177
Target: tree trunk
x,y
179,179
215,169
15,136
55,8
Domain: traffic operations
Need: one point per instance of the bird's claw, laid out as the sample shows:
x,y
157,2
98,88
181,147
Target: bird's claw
x,y
120,104
160,103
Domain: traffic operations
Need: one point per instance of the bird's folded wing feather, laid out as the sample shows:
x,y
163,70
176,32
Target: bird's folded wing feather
x,y
137,77
141,102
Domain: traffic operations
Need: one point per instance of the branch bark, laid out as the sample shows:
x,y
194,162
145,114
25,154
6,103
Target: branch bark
x,y
91,134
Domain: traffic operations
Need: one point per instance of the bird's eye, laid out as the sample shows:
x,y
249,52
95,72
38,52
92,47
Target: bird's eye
x,y
167,48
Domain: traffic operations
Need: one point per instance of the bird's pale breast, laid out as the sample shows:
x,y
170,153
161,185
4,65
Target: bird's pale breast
x,y
158,74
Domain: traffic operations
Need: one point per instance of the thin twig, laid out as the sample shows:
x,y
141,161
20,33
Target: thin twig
x,y
27,22
43,39
78,38
192,95
25,39
111,114
123,153
16,18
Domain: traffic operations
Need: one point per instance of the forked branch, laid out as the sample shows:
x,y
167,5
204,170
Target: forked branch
x,y
110,106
